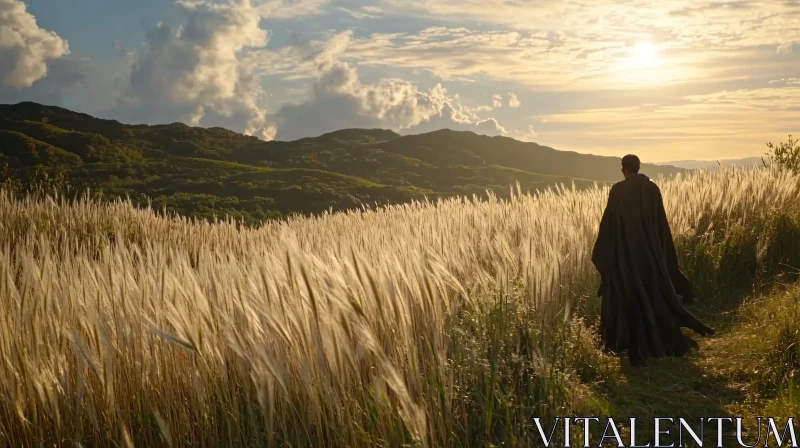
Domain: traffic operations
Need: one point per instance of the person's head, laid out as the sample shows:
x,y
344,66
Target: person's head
x,y
630,165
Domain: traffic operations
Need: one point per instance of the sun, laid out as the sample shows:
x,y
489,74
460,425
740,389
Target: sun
x,y
648,63
645,54
643,65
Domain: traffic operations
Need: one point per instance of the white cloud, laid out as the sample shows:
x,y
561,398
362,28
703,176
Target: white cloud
x,y
785,48
497,101
551,60
362,13
289,9
513,101
702,23
457,117
526,135
338,99
786,81
578,45
25,49
372,9
196,74
64,76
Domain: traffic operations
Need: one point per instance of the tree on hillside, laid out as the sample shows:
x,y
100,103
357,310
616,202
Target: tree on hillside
x,y
9,180
36,181
784,155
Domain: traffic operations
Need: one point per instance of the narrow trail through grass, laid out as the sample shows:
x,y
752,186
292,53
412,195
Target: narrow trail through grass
x,y
705,384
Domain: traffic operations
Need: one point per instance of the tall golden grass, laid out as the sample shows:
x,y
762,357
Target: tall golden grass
x,y
381,327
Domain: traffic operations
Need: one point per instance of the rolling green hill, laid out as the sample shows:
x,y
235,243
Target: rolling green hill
x,y
208,171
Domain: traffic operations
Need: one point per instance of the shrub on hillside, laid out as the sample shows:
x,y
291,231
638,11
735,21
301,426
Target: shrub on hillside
x,y
784,155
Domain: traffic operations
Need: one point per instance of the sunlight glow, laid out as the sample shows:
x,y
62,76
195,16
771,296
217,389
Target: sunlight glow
x,y
643,67
645,54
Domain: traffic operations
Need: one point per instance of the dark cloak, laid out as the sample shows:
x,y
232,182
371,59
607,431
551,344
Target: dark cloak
x,y
641,281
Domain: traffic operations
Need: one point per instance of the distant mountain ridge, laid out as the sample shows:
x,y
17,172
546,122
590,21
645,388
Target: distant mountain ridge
x,y
710,164
207,171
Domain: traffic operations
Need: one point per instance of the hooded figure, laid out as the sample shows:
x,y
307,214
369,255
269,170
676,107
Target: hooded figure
x,y
641,281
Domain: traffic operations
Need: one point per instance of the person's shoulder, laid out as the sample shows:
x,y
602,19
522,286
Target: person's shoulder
x,y
617,185
651,189
622,184
652,185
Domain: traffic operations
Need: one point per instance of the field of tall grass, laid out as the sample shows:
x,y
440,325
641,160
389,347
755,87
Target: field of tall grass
x,y
445,323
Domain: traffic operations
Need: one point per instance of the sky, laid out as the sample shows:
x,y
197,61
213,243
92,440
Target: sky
x,y
664,79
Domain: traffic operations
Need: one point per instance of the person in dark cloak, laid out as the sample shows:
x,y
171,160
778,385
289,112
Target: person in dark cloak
x,y
640,279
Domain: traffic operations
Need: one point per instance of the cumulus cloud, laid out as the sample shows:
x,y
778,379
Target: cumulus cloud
x,y
196,74
64,76
526,135
338,99
513,101
457,117
497,101
25,49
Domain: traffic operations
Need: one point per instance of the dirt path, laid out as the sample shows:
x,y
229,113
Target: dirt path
x,y
700,386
